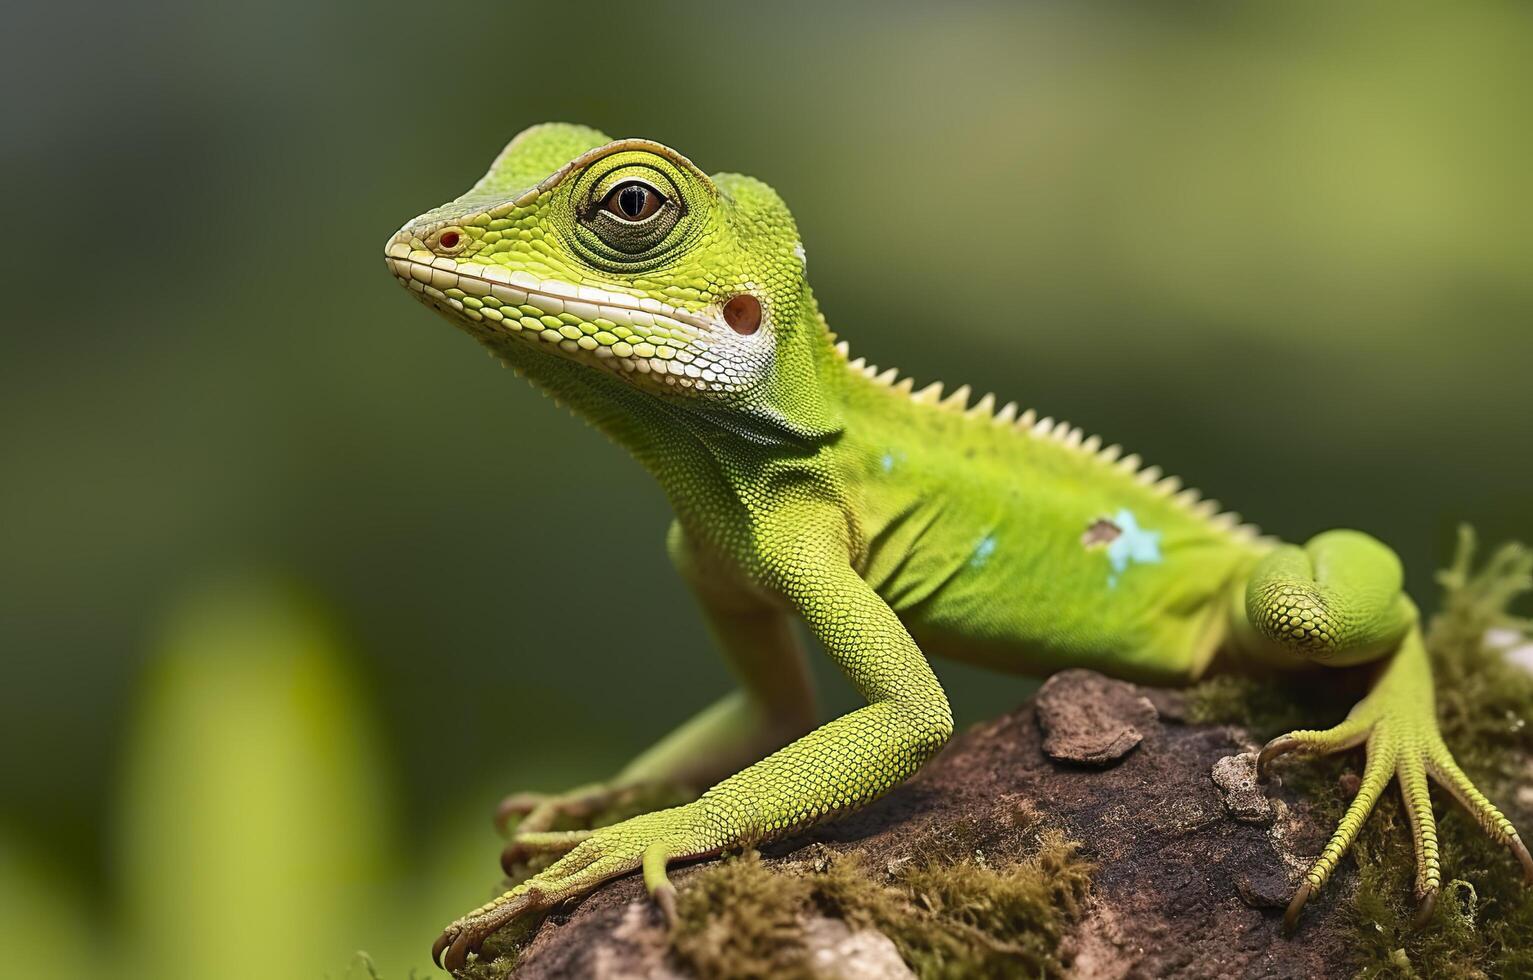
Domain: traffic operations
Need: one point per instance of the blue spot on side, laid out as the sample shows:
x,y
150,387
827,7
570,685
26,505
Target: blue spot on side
x,y
1133,546
982,551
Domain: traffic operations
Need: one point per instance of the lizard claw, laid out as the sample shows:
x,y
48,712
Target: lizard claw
x,y
513,854
665,897
463,943
1279,746
456,942
1296,906
1424,908
467,935
1523,857
442,942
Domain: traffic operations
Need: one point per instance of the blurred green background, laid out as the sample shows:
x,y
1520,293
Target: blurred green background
x,y
275,635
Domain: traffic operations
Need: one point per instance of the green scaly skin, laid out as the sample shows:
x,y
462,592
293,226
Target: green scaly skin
x,y
671,310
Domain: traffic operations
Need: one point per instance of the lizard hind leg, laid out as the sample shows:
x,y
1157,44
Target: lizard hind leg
x,y
1397,722
1337,602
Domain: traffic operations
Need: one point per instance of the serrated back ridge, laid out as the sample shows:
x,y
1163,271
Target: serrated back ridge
x,y
1027,424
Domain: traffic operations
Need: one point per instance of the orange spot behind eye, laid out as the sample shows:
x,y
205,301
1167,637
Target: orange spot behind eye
x,y
743,314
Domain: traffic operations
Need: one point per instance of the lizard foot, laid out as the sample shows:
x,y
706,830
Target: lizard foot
x,y
529,819
650,840
1403,745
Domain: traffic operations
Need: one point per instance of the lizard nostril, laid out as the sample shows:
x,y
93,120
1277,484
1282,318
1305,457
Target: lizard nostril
x,y
743,314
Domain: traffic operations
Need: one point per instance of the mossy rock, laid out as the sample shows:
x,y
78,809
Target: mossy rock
x,y
997,861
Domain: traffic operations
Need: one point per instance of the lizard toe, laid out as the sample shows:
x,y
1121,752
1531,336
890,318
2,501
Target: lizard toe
x,y
1445,770
1382,758
514,807
1353,731
523,847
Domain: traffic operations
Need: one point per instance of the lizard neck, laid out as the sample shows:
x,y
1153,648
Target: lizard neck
x,y
704,457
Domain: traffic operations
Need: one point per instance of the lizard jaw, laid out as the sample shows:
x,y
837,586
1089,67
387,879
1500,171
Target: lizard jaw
x,y
617,331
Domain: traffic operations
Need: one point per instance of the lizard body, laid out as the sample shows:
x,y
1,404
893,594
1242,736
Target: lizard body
x,y
672,311
936,489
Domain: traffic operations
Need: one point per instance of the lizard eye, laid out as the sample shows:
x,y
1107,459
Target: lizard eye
x,y
634,201
632,216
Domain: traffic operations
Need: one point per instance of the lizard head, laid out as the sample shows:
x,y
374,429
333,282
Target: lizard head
x,y
624,259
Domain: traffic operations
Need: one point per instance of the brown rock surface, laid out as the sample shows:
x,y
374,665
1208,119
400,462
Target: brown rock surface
x,y
1182,888
1091,719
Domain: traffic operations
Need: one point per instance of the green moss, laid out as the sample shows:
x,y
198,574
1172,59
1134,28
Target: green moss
x,y
984,922
1484,700
948,918
739,918
1261,705
1484,920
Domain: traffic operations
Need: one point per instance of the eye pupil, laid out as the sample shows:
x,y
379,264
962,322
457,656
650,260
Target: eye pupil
x,y
631,216
632,199
449,239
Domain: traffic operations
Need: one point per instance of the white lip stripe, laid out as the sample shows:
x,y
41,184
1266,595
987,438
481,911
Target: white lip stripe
x,y
550,295
506,294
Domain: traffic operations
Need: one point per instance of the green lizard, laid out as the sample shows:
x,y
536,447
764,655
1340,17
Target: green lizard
x,y
671,310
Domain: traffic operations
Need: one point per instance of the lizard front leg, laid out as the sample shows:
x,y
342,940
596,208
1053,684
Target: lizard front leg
x,y
840,765
774,704
1337,601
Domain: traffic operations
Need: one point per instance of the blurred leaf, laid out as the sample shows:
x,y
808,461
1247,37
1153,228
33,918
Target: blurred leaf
x,y
40,922
253,826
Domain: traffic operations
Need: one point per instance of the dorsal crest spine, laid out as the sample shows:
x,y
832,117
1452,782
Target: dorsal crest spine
x,y
1027,424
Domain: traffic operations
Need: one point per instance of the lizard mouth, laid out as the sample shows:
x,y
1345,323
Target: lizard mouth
x,y
624,333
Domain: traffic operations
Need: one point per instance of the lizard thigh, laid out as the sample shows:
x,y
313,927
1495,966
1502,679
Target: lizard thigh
x,y
1335,601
